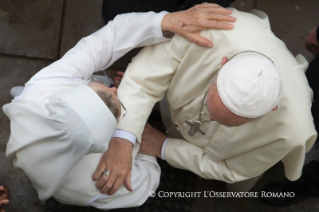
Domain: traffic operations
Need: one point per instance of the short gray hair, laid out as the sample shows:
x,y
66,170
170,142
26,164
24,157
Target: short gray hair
x,y
109,101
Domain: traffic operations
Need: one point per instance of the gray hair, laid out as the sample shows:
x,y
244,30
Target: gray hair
x,y
109,101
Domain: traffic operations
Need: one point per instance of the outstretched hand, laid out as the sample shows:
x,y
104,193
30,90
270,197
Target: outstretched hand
x,y
4,194
189,23
118,161
152,141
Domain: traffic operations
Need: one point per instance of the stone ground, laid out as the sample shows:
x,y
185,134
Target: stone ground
x,y
35,33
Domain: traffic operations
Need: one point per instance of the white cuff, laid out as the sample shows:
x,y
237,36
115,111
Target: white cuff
x,y
158,24
163,148
125,135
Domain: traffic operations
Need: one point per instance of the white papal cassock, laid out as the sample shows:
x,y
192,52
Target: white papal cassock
x,y
58,148
185,71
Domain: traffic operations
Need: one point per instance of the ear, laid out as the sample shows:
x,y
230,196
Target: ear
x,y
224,60
275,108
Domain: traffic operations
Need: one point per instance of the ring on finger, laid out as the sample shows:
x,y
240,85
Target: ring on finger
x,y
106,172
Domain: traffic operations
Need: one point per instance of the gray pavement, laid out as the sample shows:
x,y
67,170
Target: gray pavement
x,y
35,33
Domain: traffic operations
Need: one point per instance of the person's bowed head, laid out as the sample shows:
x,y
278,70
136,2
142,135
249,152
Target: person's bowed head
x,y
247,87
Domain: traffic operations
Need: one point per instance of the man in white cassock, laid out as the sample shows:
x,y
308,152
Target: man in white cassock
x,y
63,121
227,121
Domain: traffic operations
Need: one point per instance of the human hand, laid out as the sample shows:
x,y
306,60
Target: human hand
x,y
224,60
312,44
152,141
4,194
189,23
117,80
118,161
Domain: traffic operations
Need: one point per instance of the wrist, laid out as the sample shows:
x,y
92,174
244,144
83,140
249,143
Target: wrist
x,y
167,22
121,143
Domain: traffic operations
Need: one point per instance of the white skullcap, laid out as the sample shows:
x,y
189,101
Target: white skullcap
x,y
250,85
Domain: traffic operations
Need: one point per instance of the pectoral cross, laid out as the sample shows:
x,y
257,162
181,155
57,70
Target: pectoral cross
x,y
194,127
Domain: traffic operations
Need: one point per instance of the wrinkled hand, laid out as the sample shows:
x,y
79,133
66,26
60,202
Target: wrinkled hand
x,y
117,80
118,161
152,141
4,194
189,23
312,44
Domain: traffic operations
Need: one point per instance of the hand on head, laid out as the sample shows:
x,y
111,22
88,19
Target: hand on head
x,y
312,44
189,23
4,194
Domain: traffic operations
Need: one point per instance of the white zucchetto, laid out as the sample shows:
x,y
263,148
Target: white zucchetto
x,y
250,85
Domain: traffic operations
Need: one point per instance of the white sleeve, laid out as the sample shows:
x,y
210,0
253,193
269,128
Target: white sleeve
x,y
125,135
163,149
100,49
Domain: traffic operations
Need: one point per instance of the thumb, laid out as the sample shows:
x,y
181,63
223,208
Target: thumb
x,y
127,181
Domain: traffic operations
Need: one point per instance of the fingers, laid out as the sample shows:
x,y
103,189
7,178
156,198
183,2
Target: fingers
x,y
215,21
115,185
218,10
117,81
220,17
99,170
109,184
201,41
120,73
224,60
210,8
4,192
127,181
4,202
206,5
100,184
210,24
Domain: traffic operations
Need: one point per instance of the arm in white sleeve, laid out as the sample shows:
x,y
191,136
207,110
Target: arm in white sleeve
x,y
99,50
145,82
185,155
125,135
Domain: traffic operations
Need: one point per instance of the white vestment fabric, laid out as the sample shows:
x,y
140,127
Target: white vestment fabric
x,y
59,160
185,71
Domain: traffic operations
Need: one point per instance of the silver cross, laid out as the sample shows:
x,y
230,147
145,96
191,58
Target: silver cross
x,y
194,127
